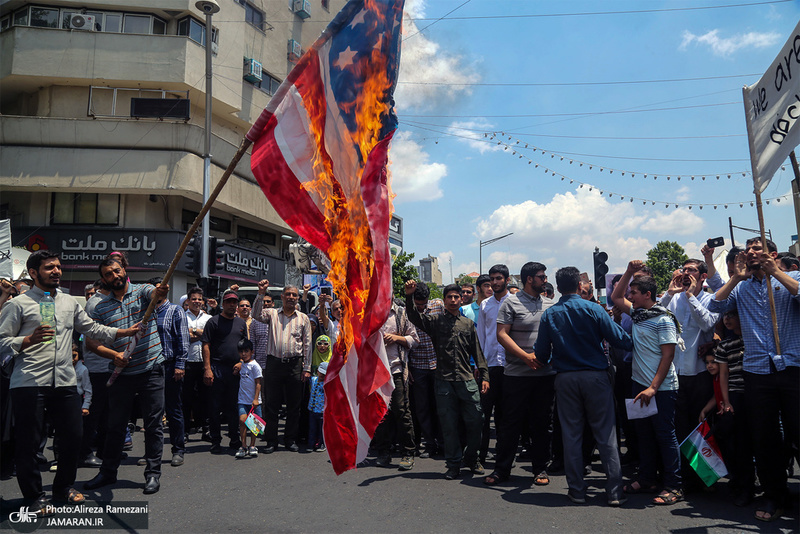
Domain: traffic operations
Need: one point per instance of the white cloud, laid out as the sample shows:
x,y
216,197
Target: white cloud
x,y
423,60
728,45
413,177
565,230
466,132
682,194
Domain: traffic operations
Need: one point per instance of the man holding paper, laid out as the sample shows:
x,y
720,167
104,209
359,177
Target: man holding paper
x,y
570,336
655,335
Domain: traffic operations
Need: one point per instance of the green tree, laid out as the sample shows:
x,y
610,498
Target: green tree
x,y
663,259
465,279
402,272
436,293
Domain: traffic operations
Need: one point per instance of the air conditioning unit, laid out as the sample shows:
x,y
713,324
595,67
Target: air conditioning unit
x,y
252,70
295,50
78,21
302,8
214,48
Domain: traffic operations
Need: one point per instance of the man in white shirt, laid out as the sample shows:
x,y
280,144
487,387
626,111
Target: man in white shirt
x,y
194,390
494,352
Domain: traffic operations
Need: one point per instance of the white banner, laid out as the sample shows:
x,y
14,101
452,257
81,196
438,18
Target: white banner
x,y
772,110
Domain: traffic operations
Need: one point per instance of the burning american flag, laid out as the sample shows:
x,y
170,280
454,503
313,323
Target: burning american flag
x,y
320,153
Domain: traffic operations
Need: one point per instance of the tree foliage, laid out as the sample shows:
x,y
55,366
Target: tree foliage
x,y
663,259
465,279
402,272
436,293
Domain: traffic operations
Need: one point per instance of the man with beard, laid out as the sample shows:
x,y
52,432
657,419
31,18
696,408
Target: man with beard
x,y
494,353
771,380
528,384
141,376
44,378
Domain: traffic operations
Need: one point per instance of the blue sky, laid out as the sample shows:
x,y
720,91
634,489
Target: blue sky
x,y
489,67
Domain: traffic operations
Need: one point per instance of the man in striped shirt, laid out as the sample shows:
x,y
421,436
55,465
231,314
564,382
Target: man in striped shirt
x,y
288,363
142,374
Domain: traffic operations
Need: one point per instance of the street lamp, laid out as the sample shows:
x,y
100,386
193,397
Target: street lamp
x,y
483,244
209,7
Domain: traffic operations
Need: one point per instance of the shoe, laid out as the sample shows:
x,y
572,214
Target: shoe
x,y
241,453
489,456
452,473
253,452
587,471
128,445
495,478
577,499
91,461
216,448
407,463
42,507
54,467
321,448
477,469
152,485
383,460
293,447
269,449
141,461
100,480
71,496
617,501
41,459
177,459
206,436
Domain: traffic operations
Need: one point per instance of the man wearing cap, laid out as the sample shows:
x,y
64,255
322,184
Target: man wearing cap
x,y
288,363
221,336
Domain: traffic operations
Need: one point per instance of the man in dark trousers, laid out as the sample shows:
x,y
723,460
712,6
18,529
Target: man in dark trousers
x,y
455,340
221,336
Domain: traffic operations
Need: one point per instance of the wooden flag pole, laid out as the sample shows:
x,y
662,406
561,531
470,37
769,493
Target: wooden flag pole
x,y
754,169
245,144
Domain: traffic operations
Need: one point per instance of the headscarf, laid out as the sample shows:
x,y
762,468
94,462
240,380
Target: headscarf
x,y
319,357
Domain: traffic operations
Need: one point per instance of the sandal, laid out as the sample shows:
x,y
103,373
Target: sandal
x,y
72,496
495,478
637,487
542,479
768,506
668,497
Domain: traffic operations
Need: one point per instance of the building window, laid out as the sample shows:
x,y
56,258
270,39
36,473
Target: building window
x,y
85,208
252,15
258,236
196,31
136,24
268,84
43,17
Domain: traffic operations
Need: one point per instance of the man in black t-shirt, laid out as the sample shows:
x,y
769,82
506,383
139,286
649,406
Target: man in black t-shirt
x,y
220,354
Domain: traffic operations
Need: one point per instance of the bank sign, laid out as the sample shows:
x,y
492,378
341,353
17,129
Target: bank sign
x,y
247,265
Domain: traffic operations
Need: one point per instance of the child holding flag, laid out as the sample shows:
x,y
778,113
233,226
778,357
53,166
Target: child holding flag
x,y
249,395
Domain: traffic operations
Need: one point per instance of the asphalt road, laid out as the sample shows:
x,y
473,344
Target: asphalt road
x,y
298,492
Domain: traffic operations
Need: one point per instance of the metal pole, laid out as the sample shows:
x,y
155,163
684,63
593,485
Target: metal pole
x,y
730,227
207,155
796,190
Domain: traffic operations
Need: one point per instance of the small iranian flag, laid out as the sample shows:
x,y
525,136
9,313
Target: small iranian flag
x,y
701,450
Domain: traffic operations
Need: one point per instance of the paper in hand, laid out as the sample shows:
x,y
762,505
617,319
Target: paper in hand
x,y
636,410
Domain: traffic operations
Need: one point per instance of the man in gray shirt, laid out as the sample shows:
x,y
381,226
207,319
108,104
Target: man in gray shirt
x,y
44,378
528,384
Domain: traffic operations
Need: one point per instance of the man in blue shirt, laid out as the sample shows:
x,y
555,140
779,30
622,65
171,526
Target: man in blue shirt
x,y
771,377
571,334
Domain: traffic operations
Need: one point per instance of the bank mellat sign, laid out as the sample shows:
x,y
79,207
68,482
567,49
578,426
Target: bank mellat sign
x,y
82,249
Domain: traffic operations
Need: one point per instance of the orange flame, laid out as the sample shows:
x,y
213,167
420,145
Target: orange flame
x,y
346,220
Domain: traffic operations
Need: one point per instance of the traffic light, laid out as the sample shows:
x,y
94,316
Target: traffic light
x,y
195,252
216,257
600,269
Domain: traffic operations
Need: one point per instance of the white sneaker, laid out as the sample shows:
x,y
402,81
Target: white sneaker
x,y
253,452
241,453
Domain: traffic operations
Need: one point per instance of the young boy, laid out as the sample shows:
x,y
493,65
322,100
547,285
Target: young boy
x,y
316,407
249,395
655,334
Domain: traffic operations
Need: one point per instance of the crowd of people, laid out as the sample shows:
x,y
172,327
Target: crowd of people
x,y
550,376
